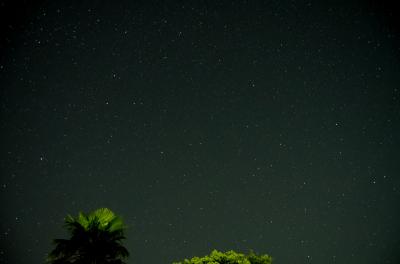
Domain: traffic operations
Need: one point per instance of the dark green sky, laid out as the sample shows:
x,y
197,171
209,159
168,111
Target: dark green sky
x,y
265,125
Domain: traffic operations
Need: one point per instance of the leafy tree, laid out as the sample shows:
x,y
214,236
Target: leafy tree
x,y
96,238
229,257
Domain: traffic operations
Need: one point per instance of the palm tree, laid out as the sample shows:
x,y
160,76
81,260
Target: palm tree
x,y
95,239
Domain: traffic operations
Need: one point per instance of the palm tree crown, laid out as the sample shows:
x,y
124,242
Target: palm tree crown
x,y
96,238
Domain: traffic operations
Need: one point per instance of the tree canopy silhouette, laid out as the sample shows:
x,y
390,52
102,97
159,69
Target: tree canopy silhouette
x,y
229,257
96,238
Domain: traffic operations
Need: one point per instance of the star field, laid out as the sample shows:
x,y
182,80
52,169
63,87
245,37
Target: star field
x,y
264,125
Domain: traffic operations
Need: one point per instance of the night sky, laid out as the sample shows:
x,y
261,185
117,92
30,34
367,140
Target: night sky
x,y
264,125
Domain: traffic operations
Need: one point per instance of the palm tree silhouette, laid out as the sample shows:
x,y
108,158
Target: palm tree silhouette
x,y
96,238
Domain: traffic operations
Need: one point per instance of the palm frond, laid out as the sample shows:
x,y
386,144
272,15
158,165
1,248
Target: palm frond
x,y
83,220
104,215
116,224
